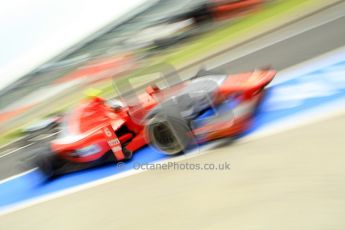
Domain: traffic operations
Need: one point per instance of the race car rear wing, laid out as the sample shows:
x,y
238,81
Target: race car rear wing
x,y
251,82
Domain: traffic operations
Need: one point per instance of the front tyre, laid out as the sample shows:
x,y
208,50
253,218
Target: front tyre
x,y
47,164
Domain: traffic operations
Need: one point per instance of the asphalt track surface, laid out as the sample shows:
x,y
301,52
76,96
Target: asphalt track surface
x,y
271,184
326,34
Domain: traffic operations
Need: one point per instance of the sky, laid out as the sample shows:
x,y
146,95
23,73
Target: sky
x,y
34,31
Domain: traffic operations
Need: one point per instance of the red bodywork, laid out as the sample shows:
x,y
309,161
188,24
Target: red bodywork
x,y
94,123
247,89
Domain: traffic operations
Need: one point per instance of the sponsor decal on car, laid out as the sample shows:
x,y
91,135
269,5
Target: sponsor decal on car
x,y
113,142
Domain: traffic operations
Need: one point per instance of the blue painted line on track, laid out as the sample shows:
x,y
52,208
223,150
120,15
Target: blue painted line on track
x,y
285,99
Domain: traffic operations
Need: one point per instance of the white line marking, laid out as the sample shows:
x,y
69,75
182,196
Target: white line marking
x,y
310,65
293,72
16,176
44,136
310,116
15,150
10,143
54,195
38,138
278,127
290,34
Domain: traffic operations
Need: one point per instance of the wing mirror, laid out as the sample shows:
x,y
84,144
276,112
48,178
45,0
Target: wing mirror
x,y
152,89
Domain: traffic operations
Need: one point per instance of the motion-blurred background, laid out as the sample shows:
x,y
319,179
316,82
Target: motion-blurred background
x,y
282,175
54,50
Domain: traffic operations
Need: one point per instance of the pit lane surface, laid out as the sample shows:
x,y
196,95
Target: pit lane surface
x,y
178,186
327,33
271,185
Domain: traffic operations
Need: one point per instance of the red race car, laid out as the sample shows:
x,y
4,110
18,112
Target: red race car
x,y
206,107
92,134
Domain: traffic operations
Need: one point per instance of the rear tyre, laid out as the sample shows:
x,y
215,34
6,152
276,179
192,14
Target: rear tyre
x,y
169,134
